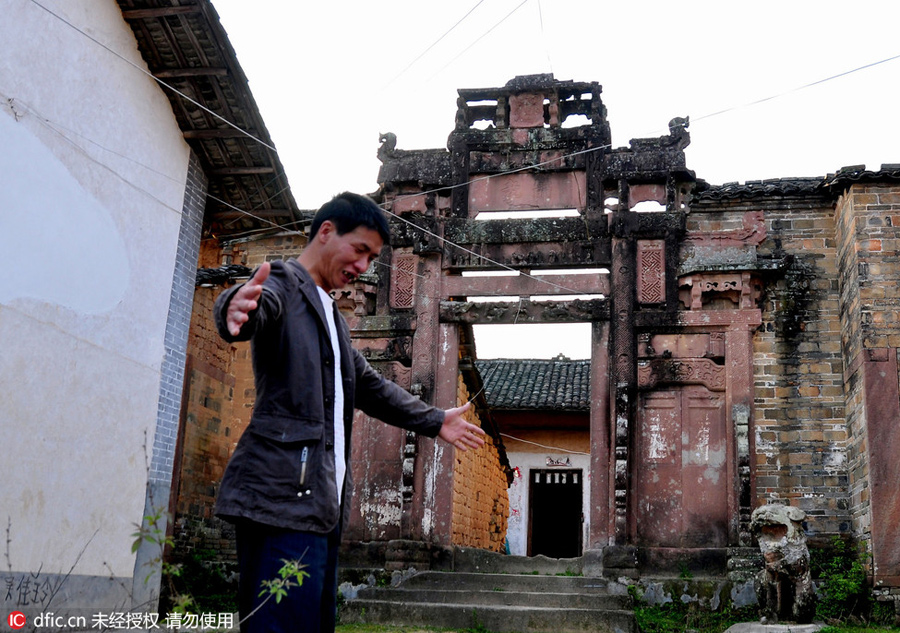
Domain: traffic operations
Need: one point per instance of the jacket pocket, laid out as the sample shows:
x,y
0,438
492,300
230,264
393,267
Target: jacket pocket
x,y
283,471
286,429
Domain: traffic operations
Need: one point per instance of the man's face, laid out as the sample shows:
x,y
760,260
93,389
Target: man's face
x,y
345,257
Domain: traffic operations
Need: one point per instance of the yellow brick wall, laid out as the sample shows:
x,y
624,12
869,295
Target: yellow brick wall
x,y
480,501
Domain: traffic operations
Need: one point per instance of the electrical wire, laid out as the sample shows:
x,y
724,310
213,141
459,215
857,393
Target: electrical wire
x,y
549,448
481,37
435,43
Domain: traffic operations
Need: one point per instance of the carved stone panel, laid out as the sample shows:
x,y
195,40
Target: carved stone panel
x,y
651,278
403,282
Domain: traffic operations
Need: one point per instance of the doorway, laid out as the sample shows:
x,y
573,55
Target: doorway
x,y
680,478
555,513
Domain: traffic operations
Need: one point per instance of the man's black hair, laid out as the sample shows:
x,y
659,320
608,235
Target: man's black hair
x,y
349,210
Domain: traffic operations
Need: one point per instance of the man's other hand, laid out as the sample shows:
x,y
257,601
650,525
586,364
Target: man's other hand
x,y
246,300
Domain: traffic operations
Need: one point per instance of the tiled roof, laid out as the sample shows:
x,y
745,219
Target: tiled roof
x,y
559,384
762,188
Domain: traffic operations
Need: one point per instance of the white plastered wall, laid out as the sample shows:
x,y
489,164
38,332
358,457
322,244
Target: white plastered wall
x,y
517,530
94,168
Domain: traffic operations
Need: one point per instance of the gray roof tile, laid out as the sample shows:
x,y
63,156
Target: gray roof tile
x,y
558,384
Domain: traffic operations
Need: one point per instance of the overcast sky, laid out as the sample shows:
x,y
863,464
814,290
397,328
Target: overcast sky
x,y
330,76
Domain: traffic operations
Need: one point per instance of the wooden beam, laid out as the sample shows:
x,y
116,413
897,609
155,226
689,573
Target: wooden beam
x,y
241,171
227,213
205,71
160,12
228,132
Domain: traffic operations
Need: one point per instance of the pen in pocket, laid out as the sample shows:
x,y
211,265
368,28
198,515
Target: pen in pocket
x,y
303,457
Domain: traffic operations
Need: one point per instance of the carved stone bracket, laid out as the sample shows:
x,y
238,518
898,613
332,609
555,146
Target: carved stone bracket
x,y
699,290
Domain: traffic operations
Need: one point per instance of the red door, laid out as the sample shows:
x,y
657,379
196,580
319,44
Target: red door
x,y
680,471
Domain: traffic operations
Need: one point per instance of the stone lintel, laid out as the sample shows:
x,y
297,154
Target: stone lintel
x,y
378,326
522,285
525,311
717,319
580,254
515,231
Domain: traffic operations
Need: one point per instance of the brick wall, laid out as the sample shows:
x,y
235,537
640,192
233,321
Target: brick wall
x,y
800,433
868,222
480,501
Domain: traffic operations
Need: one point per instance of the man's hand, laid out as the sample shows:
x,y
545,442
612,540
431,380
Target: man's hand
x,y
463,435
246,300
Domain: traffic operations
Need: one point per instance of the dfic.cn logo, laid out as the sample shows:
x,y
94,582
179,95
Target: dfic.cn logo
x,y
16,619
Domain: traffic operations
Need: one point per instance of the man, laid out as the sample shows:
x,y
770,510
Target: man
x,y
287,483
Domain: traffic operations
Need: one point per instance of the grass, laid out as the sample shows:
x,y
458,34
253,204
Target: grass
x,y
671,625
677,617
380,628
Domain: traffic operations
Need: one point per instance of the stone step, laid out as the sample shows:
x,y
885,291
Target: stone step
x,y
521,603
512,582
502,597
500,619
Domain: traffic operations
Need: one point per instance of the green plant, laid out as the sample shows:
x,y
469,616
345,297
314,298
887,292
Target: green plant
x,y
290,575
684,572
477,627
636,594
678,617
569,572
200,576
152,531
843,581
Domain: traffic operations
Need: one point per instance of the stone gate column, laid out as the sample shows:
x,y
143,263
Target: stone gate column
x,y
624,371
426,516
602,495
739,406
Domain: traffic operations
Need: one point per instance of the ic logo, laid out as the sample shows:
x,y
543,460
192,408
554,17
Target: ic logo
x,y
16,619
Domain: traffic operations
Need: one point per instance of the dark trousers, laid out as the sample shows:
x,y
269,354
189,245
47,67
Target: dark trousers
x,y
309,608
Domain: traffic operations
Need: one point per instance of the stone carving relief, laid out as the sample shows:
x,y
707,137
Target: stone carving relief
x,y
698,371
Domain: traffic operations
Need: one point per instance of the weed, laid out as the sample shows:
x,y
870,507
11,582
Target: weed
x,y
677,617
569,572
477,627
203,578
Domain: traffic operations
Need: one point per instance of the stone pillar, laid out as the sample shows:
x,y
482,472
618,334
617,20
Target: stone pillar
x,y
739,403
602,495
624,370
435,357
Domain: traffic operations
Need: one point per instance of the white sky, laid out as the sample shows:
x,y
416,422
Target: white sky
x,y
330,76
